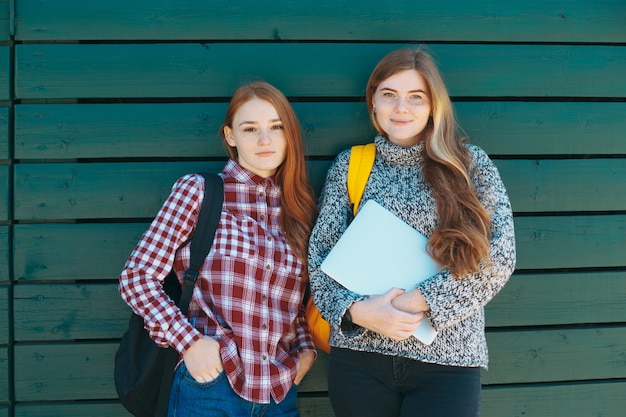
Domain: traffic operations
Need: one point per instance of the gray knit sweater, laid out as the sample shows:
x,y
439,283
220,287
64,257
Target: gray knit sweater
x,y
456,305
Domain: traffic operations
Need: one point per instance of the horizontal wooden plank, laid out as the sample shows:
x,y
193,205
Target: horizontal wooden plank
x,y
73,371
6,10
105,190
559,298
134,190
575,354
98,251
97,190
308,406
65,312
4,191
4,133
96,311
604,399
83,371
66,131
565,185
68,371
539,128
5,315
597,21
4,254
545,400
166,130
315,407
72,409
570,241
61,71
82,251
4,376
5,69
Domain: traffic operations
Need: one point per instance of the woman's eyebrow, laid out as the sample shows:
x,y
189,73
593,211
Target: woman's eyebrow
x,y
254,122
395,91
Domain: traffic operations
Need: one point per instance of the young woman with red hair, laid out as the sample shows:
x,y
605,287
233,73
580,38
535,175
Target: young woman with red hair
x,y
245,345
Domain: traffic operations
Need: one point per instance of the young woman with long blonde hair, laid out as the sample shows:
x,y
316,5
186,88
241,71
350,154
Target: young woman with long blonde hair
x,y
450,191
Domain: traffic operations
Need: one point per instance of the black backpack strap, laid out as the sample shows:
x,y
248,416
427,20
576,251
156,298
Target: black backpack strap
x,y
202,239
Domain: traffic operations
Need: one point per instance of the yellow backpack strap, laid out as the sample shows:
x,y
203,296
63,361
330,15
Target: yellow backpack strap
x,y
361,163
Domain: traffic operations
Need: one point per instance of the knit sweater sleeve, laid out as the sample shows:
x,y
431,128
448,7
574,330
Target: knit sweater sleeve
x,y
452,300
335,213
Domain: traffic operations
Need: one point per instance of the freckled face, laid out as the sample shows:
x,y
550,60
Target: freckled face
x,y
402,107
257,133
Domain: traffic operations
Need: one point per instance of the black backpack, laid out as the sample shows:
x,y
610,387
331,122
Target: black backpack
x,y
144,371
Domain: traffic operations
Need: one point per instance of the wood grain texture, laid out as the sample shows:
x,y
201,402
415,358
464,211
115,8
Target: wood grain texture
x,y
4,133
4,254
96,311
542,400
167,130
564,185
571,241
57,372
100,190
72,409
4,377
108,190
4,191
5,69
6,315
67,131
62,71
556,355
600,398
59,252
134,190
63,371
104,105
451,20
77,248
559,299
68,312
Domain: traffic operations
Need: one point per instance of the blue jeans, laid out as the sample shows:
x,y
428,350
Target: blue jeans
x,y
373,385
217,399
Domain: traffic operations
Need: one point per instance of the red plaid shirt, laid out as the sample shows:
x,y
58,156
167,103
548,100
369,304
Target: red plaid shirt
x,y
249,292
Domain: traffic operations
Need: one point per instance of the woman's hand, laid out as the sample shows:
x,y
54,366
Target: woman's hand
x,y
377,313
411,301
203,359
305,363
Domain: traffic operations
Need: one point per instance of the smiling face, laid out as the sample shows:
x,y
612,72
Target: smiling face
x,y
402,107
257,133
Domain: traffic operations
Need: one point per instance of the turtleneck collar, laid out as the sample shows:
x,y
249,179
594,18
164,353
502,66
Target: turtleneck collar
x,y
398,155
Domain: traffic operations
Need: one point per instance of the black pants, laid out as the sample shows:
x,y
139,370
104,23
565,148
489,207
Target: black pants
x,y
372,385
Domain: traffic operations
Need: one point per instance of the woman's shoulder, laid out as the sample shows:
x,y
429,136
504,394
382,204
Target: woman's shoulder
x,y
478,155
341,161
189,185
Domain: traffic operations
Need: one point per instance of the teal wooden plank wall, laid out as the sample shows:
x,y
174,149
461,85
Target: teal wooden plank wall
x,y
103,105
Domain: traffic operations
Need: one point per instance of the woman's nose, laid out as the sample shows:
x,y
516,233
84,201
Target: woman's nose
x,y
264,136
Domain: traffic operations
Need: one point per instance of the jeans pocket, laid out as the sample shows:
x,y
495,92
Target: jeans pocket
x,y
190,380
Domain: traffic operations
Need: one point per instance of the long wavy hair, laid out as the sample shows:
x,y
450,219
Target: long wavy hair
x,y
298,208
461,237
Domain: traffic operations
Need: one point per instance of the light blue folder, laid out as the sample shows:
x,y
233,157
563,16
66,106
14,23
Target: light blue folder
x,y
379,251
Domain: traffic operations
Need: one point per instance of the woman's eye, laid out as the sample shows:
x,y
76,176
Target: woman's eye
x,y
248,129
277,127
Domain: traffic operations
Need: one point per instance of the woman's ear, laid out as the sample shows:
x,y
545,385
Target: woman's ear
x,y
228,136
